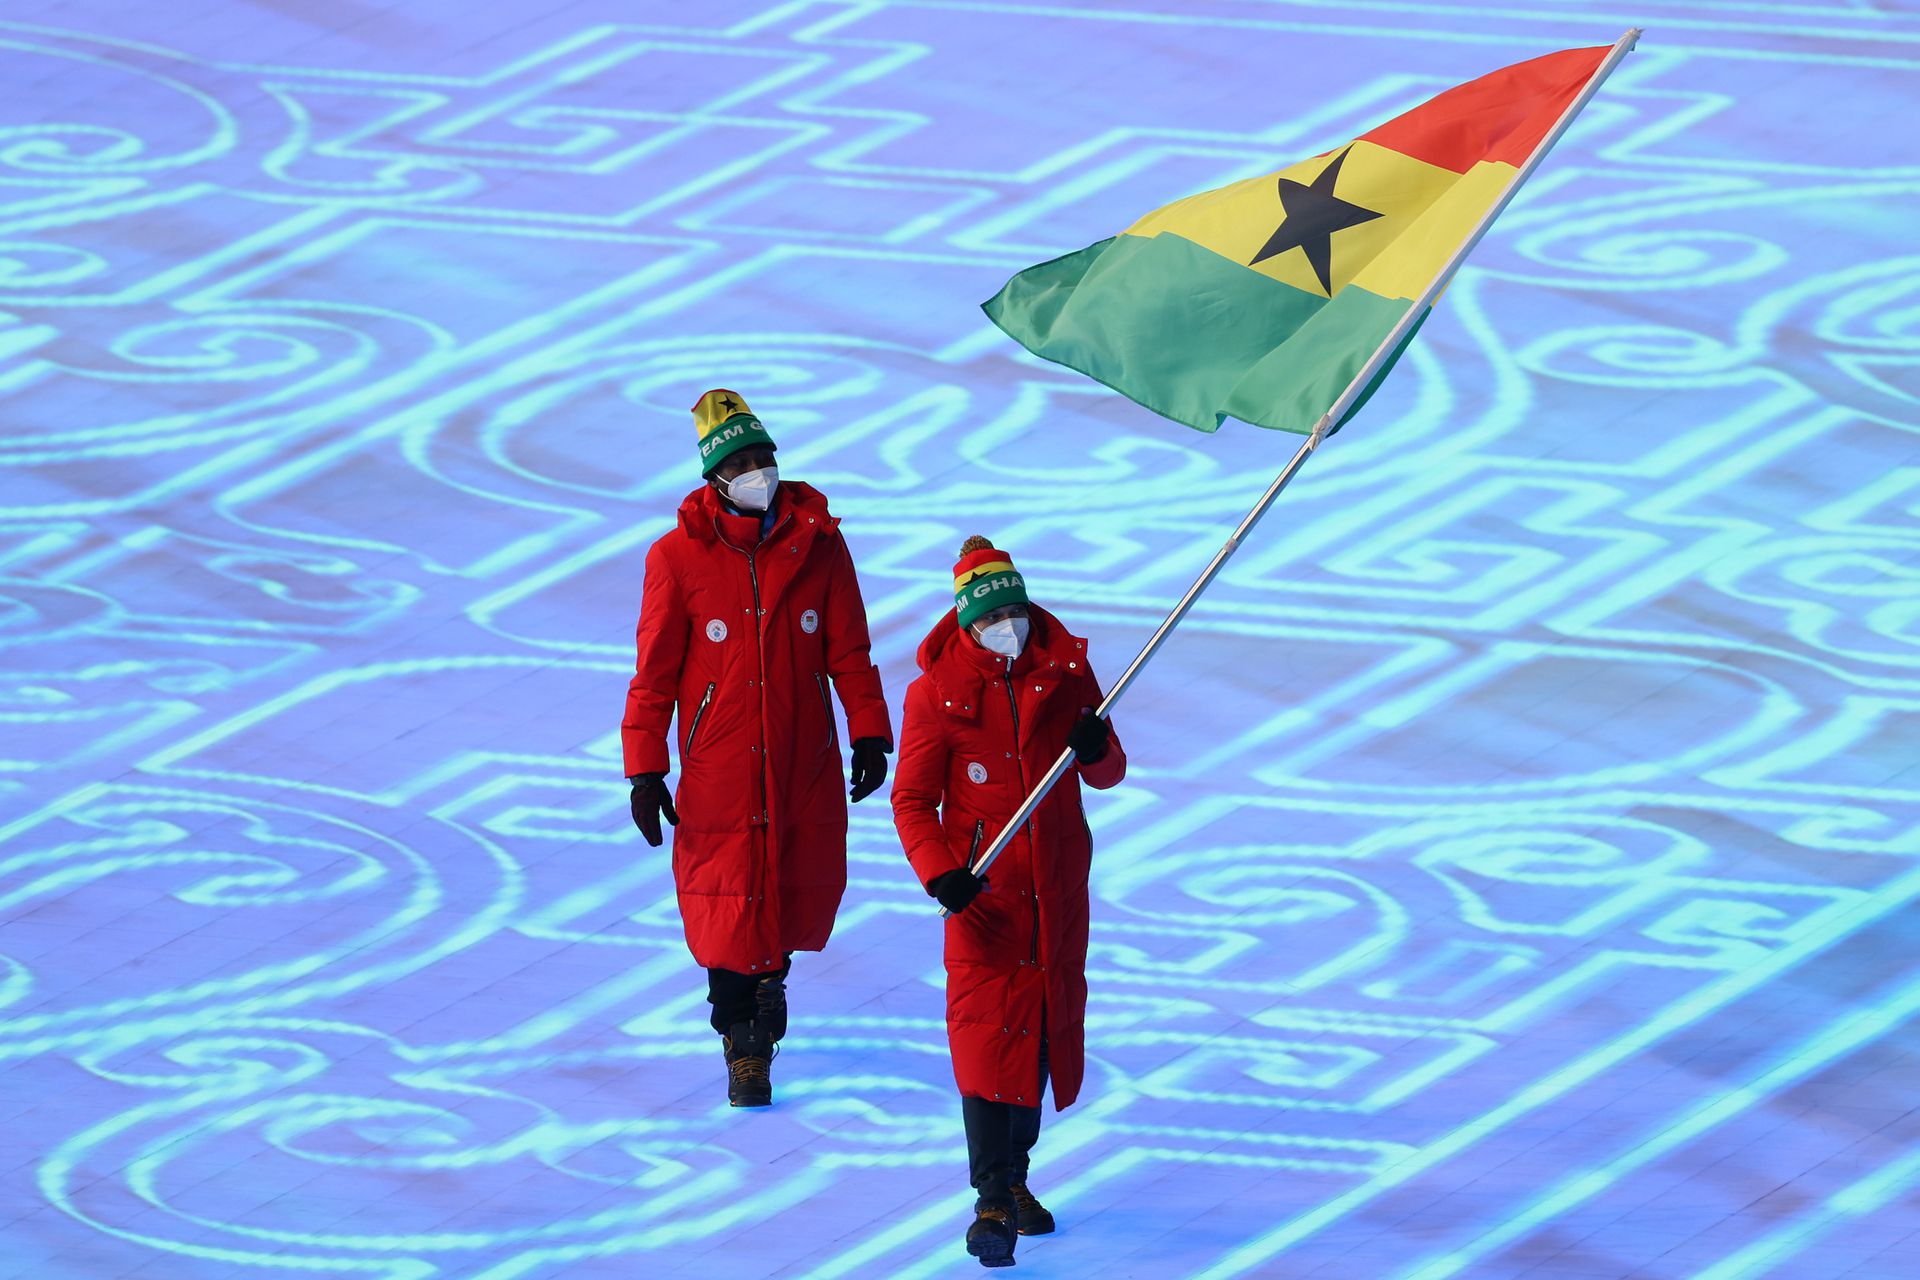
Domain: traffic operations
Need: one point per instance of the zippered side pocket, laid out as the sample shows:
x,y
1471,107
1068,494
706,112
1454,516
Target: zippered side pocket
x,y
973,850
826,705
699,713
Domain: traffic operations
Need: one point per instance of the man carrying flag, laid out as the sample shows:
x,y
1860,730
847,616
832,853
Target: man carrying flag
x,y
749,611
1005,688
1282,301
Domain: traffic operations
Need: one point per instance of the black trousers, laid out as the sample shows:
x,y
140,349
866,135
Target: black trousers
x,y
1000,1138
735,997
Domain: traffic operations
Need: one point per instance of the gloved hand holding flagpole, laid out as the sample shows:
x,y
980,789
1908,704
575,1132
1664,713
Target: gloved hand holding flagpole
x,y
1203,309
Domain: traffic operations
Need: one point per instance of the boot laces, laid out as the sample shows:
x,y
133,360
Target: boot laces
x,y
1023,1199
748,1069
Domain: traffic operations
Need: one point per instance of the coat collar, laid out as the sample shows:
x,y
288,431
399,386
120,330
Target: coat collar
x,y
961,669
800,511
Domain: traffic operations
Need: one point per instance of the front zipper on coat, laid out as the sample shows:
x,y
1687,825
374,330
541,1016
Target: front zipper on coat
x,y
698,712
760,654
1033,894
826,705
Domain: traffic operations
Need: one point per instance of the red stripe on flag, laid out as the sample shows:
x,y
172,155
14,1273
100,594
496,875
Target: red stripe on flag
x,y
1501,116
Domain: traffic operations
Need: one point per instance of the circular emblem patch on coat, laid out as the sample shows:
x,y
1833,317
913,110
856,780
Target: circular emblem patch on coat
x,y
716,631
809,622
977,772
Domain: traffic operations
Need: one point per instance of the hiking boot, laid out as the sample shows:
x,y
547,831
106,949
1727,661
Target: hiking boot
x,y
770,1005
992,1235
749,1059
1032,1216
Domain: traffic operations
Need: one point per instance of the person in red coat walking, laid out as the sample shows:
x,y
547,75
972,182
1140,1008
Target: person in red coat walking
x,y
1004,689
749,613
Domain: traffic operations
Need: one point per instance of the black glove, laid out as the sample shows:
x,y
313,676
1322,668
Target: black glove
x,y
1088,738
650,799
956,888
869,767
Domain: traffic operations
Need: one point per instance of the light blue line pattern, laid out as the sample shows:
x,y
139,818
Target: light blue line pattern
x,y
1515,869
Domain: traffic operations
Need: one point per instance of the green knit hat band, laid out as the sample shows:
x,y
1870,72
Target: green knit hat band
x,y
741,431
987,593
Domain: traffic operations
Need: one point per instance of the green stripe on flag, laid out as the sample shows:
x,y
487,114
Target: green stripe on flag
x,y
1300,379
1192,335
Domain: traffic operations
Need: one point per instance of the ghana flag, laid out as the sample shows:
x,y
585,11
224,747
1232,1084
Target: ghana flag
x,y
1262,300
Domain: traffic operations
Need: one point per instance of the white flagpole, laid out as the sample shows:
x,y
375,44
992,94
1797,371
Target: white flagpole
x,y
1360,382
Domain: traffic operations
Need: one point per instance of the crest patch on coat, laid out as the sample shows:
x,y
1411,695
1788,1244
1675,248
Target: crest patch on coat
x,y
977,772
809,622
716,631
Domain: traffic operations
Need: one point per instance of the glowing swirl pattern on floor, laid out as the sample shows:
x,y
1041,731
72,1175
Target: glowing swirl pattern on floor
x,y
1518,867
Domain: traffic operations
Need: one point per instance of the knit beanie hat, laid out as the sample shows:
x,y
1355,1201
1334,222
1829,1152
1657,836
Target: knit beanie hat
x,y
726,426
984,579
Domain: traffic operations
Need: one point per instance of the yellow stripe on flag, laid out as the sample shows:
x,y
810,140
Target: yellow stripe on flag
x,y
1425,213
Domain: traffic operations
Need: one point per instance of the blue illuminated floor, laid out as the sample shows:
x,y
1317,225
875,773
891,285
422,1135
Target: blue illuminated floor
x,y
1517,872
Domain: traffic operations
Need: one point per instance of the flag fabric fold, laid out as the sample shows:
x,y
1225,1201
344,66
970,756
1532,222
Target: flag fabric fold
x,y
1263,299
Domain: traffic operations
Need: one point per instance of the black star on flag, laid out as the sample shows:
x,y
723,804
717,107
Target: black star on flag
x,y
729,403
1313,214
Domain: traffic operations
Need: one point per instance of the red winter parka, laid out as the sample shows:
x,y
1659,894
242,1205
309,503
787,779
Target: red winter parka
x,y
974,738
744,634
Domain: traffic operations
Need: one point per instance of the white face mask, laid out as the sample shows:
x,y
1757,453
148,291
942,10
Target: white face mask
x,y
1006,637
753,490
